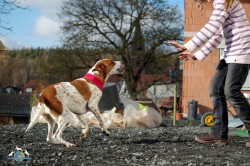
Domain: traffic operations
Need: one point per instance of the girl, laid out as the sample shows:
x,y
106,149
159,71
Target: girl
x,y
228,20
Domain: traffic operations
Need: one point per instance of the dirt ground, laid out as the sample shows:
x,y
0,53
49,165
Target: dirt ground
x,y
165,145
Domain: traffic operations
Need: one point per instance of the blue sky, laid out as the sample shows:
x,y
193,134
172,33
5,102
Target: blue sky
x,y
38,26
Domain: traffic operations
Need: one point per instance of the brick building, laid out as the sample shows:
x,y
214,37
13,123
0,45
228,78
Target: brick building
x,y
197,75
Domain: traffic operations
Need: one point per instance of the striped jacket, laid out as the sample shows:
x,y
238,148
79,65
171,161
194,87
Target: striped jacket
x,y
233,25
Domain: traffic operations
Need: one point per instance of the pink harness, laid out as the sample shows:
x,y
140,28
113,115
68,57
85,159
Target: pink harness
x,y
94,80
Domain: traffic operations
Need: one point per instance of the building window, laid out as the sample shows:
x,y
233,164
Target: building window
x,y
29,90
246,86
221,51
180,64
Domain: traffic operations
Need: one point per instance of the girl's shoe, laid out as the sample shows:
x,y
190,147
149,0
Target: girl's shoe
x,y
211,139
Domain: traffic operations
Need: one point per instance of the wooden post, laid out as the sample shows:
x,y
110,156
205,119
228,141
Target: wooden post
x,y
175,101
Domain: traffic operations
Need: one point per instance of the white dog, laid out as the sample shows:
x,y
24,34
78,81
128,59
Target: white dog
x,y
58,103
110,118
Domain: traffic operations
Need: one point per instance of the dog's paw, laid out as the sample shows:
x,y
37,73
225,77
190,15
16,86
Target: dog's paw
x,y
82,136
106,133
54,141
69,145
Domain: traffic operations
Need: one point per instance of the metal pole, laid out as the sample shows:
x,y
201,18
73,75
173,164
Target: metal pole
x,y
175,99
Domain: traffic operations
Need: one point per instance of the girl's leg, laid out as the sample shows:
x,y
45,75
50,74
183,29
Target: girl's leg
x,y
219,129
236,77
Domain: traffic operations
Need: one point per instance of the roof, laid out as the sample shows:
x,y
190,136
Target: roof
x,y
149,78
15,105
2,46
114,78
31,84
35,84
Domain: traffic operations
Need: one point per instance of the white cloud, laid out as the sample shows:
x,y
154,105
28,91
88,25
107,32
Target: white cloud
x,y
42,25
46,24
47,7
46,27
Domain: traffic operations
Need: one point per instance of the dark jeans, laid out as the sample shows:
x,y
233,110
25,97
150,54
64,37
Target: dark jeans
x,y
225,85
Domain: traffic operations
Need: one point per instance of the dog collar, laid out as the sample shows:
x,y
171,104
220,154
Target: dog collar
x,y
95,80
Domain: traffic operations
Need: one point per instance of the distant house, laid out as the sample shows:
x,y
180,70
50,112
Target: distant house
x,y
161,90
34,86
197,75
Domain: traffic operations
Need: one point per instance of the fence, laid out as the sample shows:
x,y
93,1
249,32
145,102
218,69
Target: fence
x,y
15,108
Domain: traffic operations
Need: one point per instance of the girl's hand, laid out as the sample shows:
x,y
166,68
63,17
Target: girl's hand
x,y
186,55
178,46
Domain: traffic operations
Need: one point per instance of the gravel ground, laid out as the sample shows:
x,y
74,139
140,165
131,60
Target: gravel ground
x,y
166,145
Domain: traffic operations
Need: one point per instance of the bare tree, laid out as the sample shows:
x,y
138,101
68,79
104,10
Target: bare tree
x,y
6,7
68,64
135,30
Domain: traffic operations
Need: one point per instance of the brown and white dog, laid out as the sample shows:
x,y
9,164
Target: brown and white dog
x,y
59,103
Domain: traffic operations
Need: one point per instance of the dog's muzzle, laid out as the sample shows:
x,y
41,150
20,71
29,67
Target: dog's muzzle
x,y
121,67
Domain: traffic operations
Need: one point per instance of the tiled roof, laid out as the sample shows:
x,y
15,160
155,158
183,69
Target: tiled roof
x,y
15,105
2,46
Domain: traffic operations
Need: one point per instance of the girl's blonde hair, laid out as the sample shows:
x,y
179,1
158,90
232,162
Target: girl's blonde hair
x,y
228,3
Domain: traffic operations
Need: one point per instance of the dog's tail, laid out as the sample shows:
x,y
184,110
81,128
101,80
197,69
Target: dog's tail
x,y
36,112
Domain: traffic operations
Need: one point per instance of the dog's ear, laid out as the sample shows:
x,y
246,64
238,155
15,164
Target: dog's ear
x,y
100,67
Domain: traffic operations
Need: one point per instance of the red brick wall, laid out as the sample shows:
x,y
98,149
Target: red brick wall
x,y
197,75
